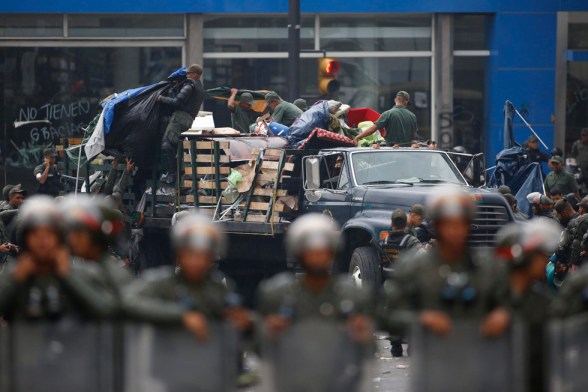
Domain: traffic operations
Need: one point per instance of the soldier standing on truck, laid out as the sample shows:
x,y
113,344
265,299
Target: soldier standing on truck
x,y
399,122
186,105
281,111
451,281
242,113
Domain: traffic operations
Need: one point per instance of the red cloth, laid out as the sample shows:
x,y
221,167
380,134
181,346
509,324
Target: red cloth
x,y
320,138
357,115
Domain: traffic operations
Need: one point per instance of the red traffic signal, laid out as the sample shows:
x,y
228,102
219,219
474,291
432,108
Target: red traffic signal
x,y
328,69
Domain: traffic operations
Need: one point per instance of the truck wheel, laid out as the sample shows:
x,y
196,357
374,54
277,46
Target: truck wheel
x,y
365,267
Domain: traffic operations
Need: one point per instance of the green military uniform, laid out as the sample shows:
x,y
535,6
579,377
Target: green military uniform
x,y
283,294
564,181
50,296
164,297
571,298
110,274
421,283
285,113
242,119
532,309
400,124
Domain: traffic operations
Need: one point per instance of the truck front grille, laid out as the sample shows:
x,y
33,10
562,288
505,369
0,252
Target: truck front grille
x,y
487,221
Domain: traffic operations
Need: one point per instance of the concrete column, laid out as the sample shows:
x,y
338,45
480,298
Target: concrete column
x,y
443,80
126,68
195,39
561,75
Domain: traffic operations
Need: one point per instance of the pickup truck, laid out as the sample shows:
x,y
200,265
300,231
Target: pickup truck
x,y
359,188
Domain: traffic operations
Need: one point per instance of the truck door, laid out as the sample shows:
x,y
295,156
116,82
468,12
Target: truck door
x,y
327,186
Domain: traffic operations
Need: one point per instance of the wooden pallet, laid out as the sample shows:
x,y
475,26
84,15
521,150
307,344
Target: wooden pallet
x,y
205,158
261,204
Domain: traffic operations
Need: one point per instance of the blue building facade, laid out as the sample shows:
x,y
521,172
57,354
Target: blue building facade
x,y
459,59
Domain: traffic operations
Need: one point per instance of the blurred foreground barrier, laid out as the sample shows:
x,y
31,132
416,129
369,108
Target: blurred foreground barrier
x,y
62,356
466,362
316,356
568,354
173,360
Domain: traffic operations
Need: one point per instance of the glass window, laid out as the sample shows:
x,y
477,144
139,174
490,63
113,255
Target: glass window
x,y
576,102
471,32
379,33
469,90
253,34
415,167
578,36
31,25
139,25
374,82
55,92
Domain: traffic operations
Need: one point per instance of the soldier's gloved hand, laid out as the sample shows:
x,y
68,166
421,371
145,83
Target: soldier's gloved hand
x,y
25,267
62,261
196,323
361,328
276,324
239,317
436,321
495,323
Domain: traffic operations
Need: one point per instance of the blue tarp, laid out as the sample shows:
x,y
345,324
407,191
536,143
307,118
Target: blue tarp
x,y
513,167
315,117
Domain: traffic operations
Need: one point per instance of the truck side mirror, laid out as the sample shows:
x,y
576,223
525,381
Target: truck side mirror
x,y
475,172
312,173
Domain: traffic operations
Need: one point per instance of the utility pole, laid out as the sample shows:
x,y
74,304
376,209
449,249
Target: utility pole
x,y
294,50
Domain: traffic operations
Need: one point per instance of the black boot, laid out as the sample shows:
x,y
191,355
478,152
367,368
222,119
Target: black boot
x,y
396,348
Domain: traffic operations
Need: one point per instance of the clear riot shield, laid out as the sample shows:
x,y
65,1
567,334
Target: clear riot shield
x,y
316,356
62,356
568,353
464,361
160,359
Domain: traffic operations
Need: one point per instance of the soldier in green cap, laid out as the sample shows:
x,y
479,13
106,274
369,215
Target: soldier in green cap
x,y
281,111
242,113
399,122
301,104
185,105
449,282
560,178
43,283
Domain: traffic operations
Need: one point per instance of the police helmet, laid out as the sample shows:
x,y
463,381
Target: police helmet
x,y
97,215
37,211
517,242
450,202
540,201
197,231
310,232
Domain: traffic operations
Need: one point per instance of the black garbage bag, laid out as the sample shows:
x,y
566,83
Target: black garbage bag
x,y
137,126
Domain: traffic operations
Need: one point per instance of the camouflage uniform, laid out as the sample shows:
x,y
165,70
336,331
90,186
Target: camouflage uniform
x,y
573,295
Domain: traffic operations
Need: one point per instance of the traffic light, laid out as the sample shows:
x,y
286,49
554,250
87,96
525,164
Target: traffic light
x,y
328,69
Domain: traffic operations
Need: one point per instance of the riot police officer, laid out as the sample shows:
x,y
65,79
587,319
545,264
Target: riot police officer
x,y
451,281
526,249
195,296
313,241
91,227
43,284
541,205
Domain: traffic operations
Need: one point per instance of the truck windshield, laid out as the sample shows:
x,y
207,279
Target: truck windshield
x,y
404,167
